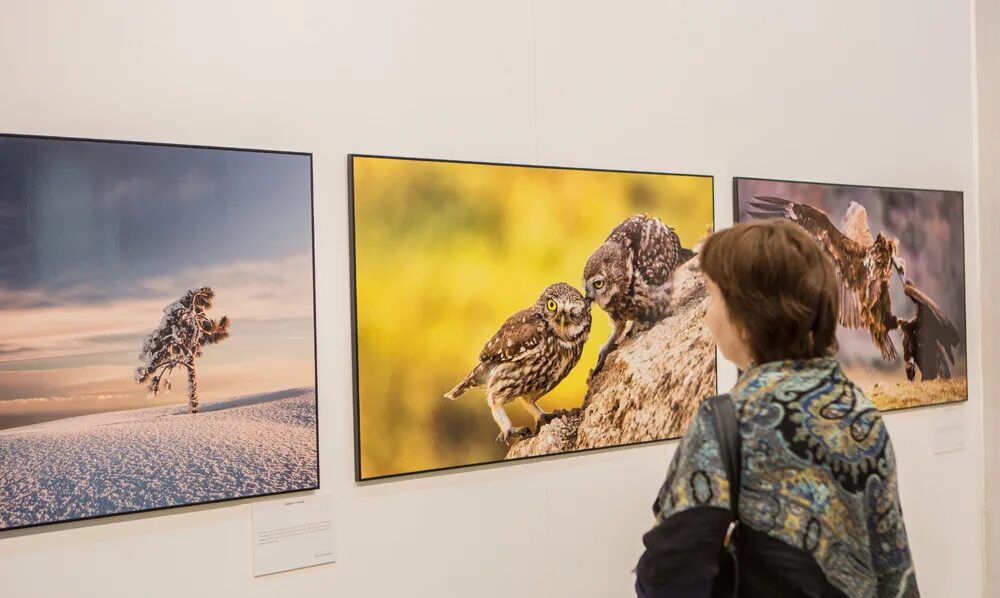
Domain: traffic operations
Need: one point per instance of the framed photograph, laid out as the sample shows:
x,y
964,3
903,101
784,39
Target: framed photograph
x,y
157,344
900,259
507,311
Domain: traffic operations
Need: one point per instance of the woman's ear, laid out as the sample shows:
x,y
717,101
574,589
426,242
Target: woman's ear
x,y
744,335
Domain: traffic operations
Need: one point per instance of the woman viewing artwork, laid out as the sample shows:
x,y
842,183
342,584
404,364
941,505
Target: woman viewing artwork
x,y
817,504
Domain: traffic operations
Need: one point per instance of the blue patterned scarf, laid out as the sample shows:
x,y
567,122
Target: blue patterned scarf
x,y
818,474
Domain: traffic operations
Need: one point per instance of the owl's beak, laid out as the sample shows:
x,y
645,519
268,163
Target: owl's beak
x,y
562,323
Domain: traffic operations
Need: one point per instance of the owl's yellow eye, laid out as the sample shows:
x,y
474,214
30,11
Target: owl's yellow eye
x,y
551,305
598,284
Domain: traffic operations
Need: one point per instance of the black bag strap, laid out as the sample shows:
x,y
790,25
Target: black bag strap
x,y
727,431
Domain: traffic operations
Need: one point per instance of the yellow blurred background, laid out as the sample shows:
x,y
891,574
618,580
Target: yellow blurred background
x,y
445,252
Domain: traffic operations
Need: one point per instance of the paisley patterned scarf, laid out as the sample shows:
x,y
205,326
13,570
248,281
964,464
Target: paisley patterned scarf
x,y
818,474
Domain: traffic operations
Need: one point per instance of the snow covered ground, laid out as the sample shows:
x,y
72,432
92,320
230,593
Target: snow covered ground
x,y
127,461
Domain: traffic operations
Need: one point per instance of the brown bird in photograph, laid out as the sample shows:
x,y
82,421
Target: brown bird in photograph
x,y
864,263
929,338
530,355
629,276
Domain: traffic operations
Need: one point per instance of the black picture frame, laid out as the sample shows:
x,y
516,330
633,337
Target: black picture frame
x,y
51,525
964,331
359,478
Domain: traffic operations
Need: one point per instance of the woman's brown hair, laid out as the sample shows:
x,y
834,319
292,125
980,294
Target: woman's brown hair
x,y
778,285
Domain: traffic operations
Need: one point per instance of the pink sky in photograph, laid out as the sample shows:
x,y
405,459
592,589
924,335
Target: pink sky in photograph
x,y
77,358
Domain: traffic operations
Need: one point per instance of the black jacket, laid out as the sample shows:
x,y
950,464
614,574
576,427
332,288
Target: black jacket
x,y
684,558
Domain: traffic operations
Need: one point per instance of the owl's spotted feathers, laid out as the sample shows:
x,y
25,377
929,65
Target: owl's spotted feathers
x,y
531,353
629,275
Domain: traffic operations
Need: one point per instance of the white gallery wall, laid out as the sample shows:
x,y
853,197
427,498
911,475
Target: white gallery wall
x,y
879,93
988,67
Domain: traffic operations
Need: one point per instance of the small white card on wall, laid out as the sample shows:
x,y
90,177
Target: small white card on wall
x,y
949,431
291,534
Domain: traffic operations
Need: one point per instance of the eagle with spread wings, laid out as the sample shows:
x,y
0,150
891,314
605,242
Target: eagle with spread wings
x,y
864,267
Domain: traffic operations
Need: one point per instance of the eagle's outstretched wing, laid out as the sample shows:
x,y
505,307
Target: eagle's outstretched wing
x,y
863,268
930,336
847,254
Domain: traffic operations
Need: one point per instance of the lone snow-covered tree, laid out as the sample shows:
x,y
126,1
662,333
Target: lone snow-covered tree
x,y
178,340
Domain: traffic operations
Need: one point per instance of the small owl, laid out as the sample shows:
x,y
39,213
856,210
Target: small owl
x,y
530,354
629,276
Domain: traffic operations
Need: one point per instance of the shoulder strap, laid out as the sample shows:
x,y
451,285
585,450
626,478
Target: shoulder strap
x,y
727,430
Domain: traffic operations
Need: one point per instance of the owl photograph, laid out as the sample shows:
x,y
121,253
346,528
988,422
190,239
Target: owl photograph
x,y
507,311
899,255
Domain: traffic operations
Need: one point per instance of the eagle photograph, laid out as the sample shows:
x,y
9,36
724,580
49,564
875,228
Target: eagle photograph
x,y
899,257
505,311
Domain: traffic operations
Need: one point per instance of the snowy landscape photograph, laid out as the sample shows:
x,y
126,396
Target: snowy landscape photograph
x,y
157,338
